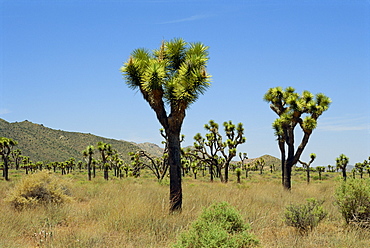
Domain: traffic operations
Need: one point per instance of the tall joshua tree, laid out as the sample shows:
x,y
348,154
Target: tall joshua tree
x,y
294,109
170,80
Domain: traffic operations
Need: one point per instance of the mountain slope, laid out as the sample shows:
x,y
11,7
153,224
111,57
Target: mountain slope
x,y
45,144
151,148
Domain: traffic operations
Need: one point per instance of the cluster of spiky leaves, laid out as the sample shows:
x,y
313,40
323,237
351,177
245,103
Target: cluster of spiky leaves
x,y
176,73
6,144
294,109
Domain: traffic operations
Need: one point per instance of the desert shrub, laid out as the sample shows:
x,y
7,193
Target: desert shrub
x,y
219,225
305,217
40,188
353,200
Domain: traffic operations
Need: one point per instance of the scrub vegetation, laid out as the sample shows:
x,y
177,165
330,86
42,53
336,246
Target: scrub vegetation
x,y
133,212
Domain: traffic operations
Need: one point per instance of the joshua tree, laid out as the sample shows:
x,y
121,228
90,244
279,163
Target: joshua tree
x,y
105,151
206,151
70,164
367,168
294,109
158,166
194,168
116,163
213,144
235,137
238,174
17,157
360,167
307,165
320,169
6,146
243,156
260,163
170,80
342,162
88,152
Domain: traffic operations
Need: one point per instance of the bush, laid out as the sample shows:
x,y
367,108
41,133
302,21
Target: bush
x,y
353,200
305,217
39,189
219,225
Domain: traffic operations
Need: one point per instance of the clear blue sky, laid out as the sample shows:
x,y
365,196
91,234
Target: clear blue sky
x,y
60,65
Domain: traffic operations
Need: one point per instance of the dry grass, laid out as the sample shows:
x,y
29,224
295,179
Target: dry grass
x,y
134,213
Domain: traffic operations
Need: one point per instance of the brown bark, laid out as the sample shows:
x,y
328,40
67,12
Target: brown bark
x,y
89,168
174,161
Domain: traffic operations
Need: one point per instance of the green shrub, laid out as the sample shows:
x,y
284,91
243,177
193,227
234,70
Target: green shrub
x,y
353,200
219,225
40,188
305,217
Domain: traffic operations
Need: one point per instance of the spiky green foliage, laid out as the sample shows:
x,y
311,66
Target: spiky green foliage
x,y
176,72
294,109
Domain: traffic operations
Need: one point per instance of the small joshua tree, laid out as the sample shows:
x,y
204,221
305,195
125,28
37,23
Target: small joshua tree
x,y
238,174
307,165
260,164
342,162
320,170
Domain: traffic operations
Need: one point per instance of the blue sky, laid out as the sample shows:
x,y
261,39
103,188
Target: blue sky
x,y
60,65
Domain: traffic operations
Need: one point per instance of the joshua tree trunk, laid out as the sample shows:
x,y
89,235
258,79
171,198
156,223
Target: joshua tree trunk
x,y
211,171
89,168
106,177
6,168
344,173
287,172
308,174
174,161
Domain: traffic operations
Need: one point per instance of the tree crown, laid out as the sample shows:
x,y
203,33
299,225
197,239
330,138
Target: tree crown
x,y
294,109
175,73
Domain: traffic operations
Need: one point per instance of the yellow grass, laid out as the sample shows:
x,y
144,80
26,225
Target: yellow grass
x,y
134,213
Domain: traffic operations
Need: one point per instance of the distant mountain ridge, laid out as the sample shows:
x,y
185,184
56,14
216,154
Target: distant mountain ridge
x,y
41,143
45,144
269,160
151,148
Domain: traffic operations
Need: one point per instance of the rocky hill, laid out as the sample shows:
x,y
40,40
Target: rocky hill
x,y
45,144
41,143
